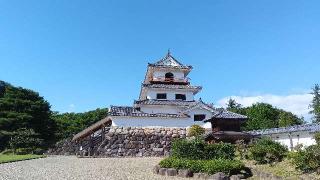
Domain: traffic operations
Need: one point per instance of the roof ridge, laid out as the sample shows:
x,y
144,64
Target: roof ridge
x,y
172,86
169,60
312,127
170,57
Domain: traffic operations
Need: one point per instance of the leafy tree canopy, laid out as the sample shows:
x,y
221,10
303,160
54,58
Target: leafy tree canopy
x,y
69,124
232,104
264,116
24,108
26,139
315,104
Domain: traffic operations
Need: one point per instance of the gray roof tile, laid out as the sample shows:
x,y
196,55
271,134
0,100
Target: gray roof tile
x,y
224,114
171,86
170,61
133,112
313,127
165,102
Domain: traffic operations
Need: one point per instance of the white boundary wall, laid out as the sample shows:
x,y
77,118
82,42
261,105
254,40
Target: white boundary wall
x,y
126,121
300,137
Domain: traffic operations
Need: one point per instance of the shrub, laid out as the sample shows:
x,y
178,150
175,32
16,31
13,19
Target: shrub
x,y
317,137
23,151
298,147
307,160
241,148
192,149
198,149
267,151
219,150
25,141
7,152
207,166
196,130
223,165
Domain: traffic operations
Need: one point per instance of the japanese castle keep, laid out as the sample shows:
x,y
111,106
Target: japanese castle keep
x,y
166,100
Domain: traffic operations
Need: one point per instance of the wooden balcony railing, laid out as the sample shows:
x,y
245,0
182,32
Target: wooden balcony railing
x,y
170,80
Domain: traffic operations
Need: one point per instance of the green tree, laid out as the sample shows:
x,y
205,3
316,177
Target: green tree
x,y
235,107
25,139
262,116
315,103
289,119
232,104
24,108
69,124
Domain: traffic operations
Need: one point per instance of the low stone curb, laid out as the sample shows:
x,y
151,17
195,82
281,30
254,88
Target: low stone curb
x,y
186,173
264,175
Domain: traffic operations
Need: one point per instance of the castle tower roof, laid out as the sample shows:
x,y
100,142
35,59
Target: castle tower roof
x,y
170,61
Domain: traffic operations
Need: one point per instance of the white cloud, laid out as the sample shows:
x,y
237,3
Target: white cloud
x,y
295,103
71,108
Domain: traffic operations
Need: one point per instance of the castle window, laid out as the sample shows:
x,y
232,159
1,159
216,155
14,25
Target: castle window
x,y
168,76
199,117
181,97
161,96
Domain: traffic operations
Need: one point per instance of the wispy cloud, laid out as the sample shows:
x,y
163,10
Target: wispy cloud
x,y
71,108
295,103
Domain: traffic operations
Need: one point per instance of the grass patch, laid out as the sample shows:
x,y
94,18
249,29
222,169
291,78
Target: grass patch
x,y
5,158
283,169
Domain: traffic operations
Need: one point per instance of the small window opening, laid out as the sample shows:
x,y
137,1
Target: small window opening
x,y
161,96
181,97
199,117
169,76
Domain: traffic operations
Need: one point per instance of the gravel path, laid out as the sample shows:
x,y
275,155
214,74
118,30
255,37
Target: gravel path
x,y
70,167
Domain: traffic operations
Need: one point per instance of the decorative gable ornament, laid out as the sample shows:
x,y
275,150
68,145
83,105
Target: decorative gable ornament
x,y
168,60
199,105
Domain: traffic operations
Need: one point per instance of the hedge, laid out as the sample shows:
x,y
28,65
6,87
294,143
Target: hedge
x,y
266,150
226,166
198,149
307,160
196,130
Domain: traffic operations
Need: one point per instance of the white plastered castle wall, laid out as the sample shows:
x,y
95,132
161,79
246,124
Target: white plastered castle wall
x,y
201,111
171,94
161,74
160,109
128,121
300,137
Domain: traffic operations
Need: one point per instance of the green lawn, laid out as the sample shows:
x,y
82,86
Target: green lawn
x,y
283,169
13,158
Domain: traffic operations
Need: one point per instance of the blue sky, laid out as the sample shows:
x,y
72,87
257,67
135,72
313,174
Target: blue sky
x,y
81,55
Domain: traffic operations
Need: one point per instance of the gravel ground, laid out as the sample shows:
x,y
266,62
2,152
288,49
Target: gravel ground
x,y
70,167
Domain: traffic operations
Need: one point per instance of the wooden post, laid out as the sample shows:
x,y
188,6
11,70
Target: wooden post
x,y
291,142
103,131
90,145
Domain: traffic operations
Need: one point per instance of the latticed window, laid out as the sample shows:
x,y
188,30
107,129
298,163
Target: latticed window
x,y
199,117
161,96
181,97
169,76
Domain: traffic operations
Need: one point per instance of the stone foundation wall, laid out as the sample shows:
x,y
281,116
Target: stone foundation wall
x,y
126,141
64,147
